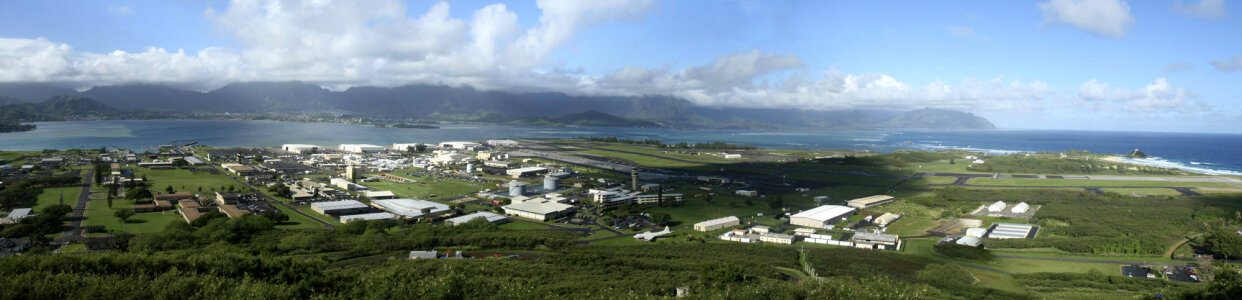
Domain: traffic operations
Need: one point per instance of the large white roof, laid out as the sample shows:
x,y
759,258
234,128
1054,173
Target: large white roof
x,y
490,217
825,213
342,204
410,207
539,206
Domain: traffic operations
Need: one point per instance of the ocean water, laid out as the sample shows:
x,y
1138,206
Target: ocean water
x,y
1219,154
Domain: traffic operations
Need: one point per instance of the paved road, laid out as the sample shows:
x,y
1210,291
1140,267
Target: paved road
x,y
1185,191
285,206
74,231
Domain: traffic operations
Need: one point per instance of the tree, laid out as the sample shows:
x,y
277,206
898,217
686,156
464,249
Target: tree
x,y
1223,242
123,214
168,189
275,217
778,202
420,147
180,163
139,192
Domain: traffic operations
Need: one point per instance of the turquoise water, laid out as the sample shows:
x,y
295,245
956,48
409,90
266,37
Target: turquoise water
x,y
1204,153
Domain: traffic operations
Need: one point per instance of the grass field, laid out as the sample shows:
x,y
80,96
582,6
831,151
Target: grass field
x,y
865,180
908,226
1080,182
99,214
51,196
1143,191
694,210
184,180
522,225
298,221
646,161
423,188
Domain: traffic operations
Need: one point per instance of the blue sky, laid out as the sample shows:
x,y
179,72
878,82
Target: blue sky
x,y
1058,64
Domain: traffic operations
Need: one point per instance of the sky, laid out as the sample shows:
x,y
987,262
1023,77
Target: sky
x,y
1173,66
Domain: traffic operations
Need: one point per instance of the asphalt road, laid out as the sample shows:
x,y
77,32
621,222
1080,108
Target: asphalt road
x,y
74,231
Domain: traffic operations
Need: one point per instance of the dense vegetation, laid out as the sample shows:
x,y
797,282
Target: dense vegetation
x,y
24,193
1052,163
14,126
963,251
1224,243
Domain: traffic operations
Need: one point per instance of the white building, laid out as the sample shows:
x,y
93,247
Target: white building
x,y
885,219
502,143
368,217
344,184
715,224
821,217
299,148
360,148
969,241
776,238
748,193
525,171
459,145
379,195
999,206
976,232
410,208
1010,231
490,217
1021,208
342,207
542,209
732,156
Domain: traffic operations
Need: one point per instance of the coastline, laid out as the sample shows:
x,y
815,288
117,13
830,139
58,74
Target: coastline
x,y
1159,162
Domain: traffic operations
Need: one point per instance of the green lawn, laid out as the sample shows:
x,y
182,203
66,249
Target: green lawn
x,y
1143,191
866,180
184,180
51,196
647,161
298,221
908,226
306,209
99,214
1081,182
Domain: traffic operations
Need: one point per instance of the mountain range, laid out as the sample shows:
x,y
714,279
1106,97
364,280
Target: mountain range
x,y
439,103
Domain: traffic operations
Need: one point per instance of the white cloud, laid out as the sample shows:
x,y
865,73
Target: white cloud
x,y
1179,67
1108,18
962,31
1158,96
1207,9
119,10
1228,64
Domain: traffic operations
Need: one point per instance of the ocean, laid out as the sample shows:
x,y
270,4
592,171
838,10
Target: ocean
x,y
1216,154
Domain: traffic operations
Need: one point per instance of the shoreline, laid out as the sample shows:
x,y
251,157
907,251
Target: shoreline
x,y
1159,162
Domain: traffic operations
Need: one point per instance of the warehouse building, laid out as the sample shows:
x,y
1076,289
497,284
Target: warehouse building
x,y
490,217
538,209
869,201
715,224
502,143
885,219
868,240
338,208
519,172
368,217
1010,231
410,208
969,241
460,145
747,193
379,195
821,217
1021,208
776,238
360,148
999,206
299,148
16,216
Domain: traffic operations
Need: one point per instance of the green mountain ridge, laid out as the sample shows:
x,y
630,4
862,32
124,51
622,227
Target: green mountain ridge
x,y
587,118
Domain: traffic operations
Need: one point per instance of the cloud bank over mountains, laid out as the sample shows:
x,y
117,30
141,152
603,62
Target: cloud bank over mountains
x,y
374,42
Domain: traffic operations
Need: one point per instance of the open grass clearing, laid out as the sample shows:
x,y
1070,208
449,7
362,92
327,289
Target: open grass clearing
x,y
1092,183
99,214
52,196
184,180
1143,191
